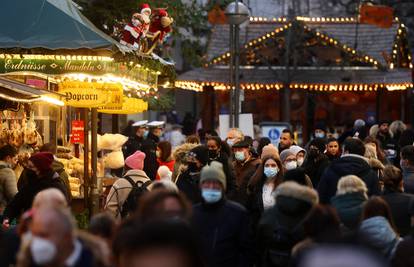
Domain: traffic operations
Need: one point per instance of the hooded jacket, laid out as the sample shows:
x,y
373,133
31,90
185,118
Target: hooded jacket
x,y
293,203
347,165
349,207
120,190
378,233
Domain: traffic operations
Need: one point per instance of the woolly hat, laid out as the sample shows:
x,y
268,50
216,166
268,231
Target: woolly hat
x,y
359,123
200,153
136,160
285,154
164,173
214,171
42,161
269,150
320,143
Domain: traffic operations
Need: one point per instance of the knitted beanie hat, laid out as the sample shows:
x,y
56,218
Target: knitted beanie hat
x,y
136,160
42,161
270,150
214,171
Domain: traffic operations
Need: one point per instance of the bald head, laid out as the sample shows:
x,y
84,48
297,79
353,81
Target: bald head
x,y
50,197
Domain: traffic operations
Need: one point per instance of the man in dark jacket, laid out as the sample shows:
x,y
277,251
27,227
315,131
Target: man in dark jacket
x,y
388,144
351,162
188,182
223,225
316,161
41,176
245,165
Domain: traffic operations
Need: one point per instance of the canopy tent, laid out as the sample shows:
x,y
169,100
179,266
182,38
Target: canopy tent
x,y
50,24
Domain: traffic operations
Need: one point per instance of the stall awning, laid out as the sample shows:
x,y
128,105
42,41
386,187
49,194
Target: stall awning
x,y
19,92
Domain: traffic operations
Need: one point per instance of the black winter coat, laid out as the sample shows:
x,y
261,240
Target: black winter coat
x,y
346,165
224,231
228,171
189,184
402,209
22,201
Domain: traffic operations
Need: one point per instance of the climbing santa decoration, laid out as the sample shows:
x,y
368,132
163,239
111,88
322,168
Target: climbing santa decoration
x,y
147,29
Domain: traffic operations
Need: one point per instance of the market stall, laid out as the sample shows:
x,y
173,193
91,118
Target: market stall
x,y
52,47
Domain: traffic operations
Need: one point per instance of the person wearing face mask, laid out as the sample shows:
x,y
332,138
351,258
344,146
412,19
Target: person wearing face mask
x,y
41,176
233,136
316,161
134,143
53,242
288,158
223,225
149,147
188,181
320,130
8,185
245,166
164,156
407,167
300,154
262,186
216,153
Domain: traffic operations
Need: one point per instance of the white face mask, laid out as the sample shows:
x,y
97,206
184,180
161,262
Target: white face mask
x,y
300,161
43,251
230,142
291,165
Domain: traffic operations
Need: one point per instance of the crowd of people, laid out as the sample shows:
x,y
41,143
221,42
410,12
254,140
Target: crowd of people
x,y
202,201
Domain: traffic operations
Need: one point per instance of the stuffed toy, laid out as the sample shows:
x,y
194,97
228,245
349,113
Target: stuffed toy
x,y
160,25
135,30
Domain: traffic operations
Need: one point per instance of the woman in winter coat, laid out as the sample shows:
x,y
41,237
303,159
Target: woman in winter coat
x,y
380,154
401,204
281,226
180,157
262,186
164,156
349,201
377,228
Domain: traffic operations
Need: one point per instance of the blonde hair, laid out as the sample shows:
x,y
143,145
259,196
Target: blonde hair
x,y
50,197
351,184
397,126
373,131
370,151
238,133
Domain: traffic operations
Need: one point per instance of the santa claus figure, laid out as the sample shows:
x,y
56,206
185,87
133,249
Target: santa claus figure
x,y
146,11
160,24
134,30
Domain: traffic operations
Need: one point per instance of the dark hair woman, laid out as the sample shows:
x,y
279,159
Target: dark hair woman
x,y
164,155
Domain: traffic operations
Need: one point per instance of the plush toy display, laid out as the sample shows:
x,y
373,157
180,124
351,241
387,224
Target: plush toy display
x,y
160,24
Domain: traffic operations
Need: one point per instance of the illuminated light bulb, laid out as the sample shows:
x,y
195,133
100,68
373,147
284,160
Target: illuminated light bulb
x,y
392,66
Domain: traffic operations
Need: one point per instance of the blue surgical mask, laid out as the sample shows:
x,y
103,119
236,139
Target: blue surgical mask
x,y
239,155
146,133
319,135
270,172
211,195
230,142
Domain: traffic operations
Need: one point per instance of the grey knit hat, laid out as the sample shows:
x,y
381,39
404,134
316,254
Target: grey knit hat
x,y
214,171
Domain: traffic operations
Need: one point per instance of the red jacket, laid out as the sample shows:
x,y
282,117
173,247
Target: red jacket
x,y
170,164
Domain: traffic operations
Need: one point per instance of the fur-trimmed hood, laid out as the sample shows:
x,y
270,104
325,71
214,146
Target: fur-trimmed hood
x,y
181,151
297,191
376,164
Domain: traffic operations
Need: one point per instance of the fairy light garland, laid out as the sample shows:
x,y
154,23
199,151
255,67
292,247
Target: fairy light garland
x,y
198,86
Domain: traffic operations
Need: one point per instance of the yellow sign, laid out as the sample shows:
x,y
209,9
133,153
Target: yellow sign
x,y
130,106
91,94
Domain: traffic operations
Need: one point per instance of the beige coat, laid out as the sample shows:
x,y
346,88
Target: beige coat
x,y
120,191
8,184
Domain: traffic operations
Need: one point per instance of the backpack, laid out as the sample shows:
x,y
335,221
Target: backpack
x,y
283,240
139,188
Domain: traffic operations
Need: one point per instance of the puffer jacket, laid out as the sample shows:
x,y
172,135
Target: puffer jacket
x,y
346,165
349,207
378,234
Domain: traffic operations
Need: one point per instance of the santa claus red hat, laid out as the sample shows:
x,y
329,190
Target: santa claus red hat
x,y
145,8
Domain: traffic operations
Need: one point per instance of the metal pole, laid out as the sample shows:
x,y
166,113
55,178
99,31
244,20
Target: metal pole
x,y
231,68
87,182
236,75
94,151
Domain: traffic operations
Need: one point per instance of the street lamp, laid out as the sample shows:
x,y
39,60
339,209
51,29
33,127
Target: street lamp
x,y
236,14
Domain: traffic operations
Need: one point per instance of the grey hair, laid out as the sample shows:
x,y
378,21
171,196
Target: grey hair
x,y
351,184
